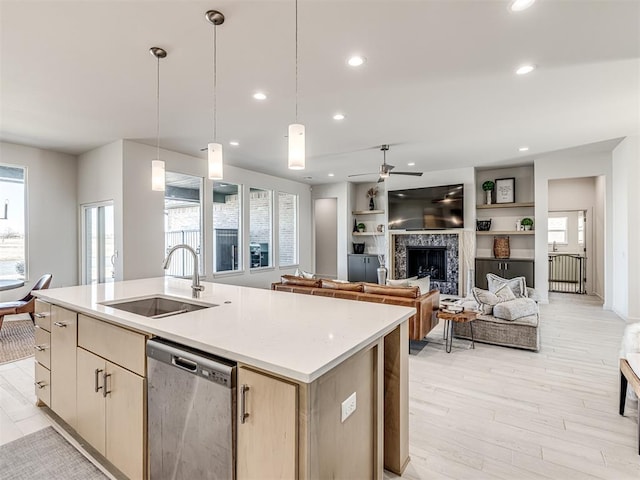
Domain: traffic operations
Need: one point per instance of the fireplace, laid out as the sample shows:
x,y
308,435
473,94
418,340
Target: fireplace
x,y
423,261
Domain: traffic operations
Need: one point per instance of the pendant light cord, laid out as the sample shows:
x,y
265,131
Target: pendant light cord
x,y
158,108
296,61
215,83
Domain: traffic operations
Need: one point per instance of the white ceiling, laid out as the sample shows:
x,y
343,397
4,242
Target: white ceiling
x,y
438,85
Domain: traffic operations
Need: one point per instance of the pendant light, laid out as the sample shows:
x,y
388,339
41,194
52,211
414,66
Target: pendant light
x,y
214,149
157,165
296,130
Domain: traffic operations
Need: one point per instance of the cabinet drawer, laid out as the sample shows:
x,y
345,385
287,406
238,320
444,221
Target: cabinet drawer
x,y
43,347
118,345
43,384
42,314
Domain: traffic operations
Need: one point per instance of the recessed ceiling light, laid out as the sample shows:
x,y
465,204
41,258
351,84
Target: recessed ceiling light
x,y
519,5
524,69
338,116
233,143
411,164
331,174
356,61
259,96
523,149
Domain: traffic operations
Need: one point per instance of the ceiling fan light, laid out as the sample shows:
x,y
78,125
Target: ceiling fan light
x,y
296,147
215,161
157,175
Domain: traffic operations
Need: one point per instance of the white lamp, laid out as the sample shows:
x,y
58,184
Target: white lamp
x,y
215,161
296,130
296,146
214,156
157,165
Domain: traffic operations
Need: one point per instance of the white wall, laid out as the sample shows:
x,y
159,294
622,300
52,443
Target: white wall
x,y
51,215
100,179
570,164
144,217
598,238
325,215
626,229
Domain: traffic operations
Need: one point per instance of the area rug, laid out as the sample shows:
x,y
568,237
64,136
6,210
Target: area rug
x,y
45,454
16,340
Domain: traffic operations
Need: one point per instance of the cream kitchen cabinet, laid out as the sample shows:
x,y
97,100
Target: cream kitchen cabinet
x,y
111,410
267,426
64,331
42,316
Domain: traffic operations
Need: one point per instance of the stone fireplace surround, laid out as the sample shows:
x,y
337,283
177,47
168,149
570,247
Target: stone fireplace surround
x,y
450,241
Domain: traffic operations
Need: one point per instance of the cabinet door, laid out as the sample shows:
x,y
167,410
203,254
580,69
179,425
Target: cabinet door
x,y
42,347
64,328
267,440
357,268
371,267
484,266
524,269
125,424
91,404
43,384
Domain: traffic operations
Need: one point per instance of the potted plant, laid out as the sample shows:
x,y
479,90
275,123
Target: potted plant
x,y
361,227
371,193
527,223
488,187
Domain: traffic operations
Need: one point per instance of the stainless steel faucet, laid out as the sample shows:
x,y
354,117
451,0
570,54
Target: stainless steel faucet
x,y
196,288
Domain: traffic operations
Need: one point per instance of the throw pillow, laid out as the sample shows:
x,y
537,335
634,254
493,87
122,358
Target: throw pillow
x,y
424,283
487,300
505,293
515,309
518,285
352,287
304,282
404,282
409,292
303,274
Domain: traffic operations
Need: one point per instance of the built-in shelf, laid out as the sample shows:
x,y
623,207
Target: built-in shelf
x,y
367,212
507,232
506,205
363,234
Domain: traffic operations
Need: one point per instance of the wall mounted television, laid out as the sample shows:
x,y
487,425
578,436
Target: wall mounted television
x,y
429,208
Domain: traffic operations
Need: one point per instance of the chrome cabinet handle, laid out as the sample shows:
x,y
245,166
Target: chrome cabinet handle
x,y
60,324
40,348
105,392
243,403
40,384
40,315
95,378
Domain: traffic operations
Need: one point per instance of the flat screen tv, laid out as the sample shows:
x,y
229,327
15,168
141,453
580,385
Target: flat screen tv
x,y
430,208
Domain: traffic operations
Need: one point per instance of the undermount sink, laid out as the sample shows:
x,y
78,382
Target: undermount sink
x,y
157,306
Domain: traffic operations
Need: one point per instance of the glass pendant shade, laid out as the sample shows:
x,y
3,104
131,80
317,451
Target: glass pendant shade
x,y
296,146
157,175
215,161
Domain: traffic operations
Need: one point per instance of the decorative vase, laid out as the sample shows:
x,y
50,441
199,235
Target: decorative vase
x,y
355,225
372,205
382,275
488,197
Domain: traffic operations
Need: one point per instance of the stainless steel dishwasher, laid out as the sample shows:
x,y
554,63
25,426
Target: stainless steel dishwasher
x,y
191,421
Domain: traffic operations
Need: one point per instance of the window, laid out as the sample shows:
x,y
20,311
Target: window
x,y
581,228
287,229
98,244
227,227
13,259
557,230
183,219
260,226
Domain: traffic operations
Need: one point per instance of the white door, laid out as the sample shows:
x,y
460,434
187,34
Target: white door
x,y
98,243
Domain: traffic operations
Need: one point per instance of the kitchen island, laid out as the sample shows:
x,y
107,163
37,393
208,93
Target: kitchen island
x,y
314,353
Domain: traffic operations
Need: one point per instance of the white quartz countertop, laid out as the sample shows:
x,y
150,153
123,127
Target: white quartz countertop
x,y
293,335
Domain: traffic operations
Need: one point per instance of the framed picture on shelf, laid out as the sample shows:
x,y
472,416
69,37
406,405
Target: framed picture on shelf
x,y
505,190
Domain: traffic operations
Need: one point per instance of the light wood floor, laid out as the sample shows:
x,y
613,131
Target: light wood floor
x,y
503,413
492,412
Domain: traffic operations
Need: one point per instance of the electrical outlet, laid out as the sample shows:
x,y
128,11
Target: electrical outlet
x,y
348,407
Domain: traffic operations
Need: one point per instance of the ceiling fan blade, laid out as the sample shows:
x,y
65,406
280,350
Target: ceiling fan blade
x,y
361,174
414,174
389,167
380,180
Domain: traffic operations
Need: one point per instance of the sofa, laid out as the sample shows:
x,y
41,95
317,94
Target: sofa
x,y
426,304
513,322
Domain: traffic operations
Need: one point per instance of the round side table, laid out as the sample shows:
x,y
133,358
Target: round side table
x,y
449,318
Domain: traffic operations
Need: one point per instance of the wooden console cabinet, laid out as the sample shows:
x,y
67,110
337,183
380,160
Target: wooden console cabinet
x,y
508,268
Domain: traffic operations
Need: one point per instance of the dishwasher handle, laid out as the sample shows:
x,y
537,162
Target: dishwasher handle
x,y
184,363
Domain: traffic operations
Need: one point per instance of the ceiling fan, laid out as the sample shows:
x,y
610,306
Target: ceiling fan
x,y
386,169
